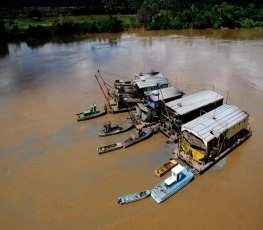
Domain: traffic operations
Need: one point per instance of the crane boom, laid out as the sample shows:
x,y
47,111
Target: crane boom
x,y
107,99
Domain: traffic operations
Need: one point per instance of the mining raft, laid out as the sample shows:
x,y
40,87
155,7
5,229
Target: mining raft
x,y
126,94
208,138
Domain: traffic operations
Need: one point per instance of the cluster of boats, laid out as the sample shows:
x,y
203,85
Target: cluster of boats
x,y
153,106
179,178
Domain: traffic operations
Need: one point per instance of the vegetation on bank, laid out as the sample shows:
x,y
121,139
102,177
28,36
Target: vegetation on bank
x,y
152,15
46,27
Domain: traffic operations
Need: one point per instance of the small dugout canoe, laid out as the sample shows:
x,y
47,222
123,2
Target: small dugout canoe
x,y
138,137
109,148
133,197
160,171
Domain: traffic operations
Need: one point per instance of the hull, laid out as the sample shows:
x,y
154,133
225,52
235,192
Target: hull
x,y
165,168
109,148
133,197
161,192
136,139
82,117
115,130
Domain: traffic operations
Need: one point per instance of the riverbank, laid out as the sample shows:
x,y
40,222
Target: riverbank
x,y
70,25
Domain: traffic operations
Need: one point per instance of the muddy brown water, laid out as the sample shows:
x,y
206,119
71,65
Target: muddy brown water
x,y
51,176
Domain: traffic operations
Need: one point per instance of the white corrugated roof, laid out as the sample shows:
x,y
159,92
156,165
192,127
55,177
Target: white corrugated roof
x,y
189,103
217,121
177,169
163,94
151,81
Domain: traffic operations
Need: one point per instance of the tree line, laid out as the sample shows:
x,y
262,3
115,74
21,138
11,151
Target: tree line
x,y
150,14
154,17
109,24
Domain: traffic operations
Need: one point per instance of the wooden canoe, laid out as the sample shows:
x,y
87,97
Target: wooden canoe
x,y
109,148
138,137
133,197
160,171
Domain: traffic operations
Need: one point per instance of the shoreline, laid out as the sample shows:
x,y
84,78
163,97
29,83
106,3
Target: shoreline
x,y
114,36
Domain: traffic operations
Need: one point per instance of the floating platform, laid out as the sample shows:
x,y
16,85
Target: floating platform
x,y
197,168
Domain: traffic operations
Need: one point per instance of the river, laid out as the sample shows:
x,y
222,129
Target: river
x,y
51,176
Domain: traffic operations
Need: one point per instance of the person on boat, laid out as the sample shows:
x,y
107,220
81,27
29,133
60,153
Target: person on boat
x,y
140,132
109,125
105,108
105,126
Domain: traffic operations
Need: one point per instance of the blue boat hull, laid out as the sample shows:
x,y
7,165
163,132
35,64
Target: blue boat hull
x,y
133,197
161,192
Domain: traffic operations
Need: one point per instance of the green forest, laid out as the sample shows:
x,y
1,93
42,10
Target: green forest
x,y
45,18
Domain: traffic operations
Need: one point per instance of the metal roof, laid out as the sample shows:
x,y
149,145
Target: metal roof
x,y
189,103
177,169
170,180
163,94
216,122
151,81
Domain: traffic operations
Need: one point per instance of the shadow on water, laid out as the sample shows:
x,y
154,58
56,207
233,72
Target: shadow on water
x,y
3,49
37,43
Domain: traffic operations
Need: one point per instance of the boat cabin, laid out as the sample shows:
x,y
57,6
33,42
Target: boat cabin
x,y
148,82
128,93
91,111
189,107
213,132
157,98
176,175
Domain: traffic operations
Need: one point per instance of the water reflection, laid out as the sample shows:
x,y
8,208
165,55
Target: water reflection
x,y
49,162
3,49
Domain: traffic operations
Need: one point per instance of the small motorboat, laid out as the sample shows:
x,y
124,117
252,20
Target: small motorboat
x,y
160,171
90,114
112,130
109,148
133,197
141,135
180,177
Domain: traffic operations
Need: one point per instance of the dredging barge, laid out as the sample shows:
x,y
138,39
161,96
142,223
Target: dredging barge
x,y
126,94
207,139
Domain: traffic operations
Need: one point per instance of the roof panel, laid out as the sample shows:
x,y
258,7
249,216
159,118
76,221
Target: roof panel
x,y
189,103
150,82
216,121
163,94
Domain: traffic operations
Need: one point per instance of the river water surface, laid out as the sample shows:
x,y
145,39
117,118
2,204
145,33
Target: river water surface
x,y
51,176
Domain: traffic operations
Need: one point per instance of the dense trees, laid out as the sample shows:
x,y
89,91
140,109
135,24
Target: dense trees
x,y
200,16
150,14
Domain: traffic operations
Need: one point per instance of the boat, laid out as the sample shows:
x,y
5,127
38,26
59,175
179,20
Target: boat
x,y
180,177
133,197
112,130
109,148
160,171
141,135
90,114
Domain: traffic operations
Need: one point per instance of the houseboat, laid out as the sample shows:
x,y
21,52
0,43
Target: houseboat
x,y
188,108
208,138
